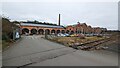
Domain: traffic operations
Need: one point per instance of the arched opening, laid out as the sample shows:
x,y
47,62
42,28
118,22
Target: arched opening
x,y
25,30
67,31
47,31
33,31
72,32
53,31
63,31
41,31
58,31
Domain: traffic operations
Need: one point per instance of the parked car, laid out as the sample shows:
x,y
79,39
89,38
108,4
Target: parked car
x,y
61,35
66,34
89,35
74,35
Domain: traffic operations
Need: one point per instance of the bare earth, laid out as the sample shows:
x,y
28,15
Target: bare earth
x,y
36,51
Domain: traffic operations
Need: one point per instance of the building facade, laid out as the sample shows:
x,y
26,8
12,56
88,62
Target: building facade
x,y
84,29
41,29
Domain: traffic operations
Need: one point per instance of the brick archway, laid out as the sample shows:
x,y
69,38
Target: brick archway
x,y
58,31
41,31
72,32
25,30
67,31
33,31
53,31
63,31
47,31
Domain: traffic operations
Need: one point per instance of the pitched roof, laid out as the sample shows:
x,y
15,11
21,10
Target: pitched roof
x,y
41,25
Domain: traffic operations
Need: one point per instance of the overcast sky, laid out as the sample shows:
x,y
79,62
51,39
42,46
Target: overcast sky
x,y
96,14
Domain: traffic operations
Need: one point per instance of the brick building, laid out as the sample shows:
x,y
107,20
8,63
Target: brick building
x,y
84,28
31,28
78,28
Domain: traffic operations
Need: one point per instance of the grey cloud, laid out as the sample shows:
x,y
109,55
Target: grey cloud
x,y
102,14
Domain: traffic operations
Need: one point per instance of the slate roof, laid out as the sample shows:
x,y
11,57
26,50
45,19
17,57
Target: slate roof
x,y
41,25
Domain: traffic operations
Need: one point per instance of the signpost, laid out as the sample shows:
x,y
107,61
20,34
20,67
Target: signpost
x,y
16,34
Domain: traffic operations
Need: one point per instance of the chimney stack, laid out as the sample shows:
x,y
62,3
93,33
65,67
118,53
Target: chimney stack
x,y
59,20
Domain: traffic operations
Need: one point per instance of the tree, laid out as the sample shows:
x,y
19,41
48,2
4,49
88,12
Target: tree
x,y
7,28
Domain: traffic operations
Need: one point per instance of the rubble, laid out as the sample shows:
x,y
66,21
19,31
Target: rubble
x,y
87,44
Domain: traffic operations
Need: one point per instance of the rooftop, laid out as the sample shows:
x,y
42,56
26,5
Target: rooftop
x,y
41,25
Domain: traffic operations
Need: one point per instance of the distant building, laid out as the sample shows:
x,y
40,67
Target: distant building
x,y
32,28
84,29
43,28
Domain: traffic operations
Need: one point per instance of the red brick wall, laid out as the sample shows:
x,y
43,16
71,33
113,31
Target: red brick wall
x,y
79,27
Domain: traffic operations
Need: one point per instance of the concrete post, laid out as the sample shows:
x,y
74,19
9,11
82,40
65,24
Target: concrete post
x,y
29,32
